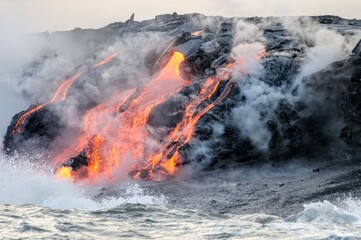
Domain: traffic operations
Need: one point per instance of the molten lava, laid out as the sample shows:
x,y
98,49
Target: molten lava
x,y
112,138
64,172
59,96
117,140
197,33
262,54
106,60
165,162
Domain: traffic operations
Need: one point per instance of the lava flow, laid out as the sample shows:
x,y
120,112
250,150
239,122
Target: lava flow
x,y
106,60
120,142
59,96
164,163
112,138
197,33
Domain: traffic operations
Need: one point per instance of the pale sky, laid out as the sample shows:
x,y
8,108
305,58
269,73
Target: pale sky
x,y
50,15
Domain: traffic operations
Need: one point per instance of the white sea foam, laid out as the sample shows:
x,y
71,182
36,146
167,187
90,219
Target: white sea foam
x,y
325,212
23,182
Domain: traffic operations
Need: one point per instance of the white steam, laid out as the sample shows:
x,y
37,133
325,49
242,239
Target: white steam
x,y
321,45
260,99
25,181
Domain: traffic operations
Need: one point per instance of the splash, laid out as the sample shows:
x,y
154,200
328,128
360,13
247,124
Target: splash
x,y
23,182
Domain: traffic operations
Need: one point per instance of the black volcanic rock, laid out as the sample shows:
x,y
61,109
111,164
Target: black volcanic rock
x,y
351,104
77,162
326,114
357,49
167,114
335,95
39,131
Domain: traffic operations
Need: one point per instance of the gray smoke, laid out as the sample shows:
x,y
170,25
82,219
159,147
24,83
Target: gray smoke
x,y
321,45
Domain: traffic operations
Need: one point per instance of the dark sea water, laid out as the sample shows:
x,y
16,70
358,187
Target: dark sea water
x,y
34,204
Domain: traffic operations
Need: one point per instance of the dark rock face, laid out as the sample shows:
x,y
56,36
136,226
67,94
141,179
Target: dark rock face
x,y
357,49
167,114
327,113
351,104
40,129
338,91
77,162
287,134
281,68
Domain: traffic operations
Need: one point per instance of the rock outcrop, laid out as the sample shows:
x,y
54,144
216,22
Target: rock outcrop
x,y
307,118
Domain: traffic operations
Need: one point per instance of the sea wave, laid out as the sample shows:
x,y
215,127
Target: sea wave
x,y
24,182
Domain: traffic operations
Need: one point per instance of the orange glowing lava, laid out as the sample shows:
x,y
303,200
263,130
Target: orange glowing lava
x,y
106,60
262,54
197,33
64,172
164,163
120,142
111,139
59,96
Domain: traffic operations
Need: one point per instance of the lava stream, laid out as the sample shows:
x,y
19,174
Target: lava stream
x,y
116,141
106,60
197,33
59,96
164,163
112,140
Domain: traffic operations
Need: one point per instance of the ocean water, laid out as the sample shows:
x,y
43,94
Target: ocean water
x,y
34,204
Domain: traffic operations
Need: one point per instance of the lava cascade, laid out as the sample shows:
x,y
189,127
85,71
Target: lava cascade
x,y
112,136
116,134
115,139
59,95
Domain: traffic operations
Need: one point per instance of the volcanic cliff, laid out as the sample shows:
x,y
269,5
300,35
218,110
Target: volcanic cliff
x,y
150,97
